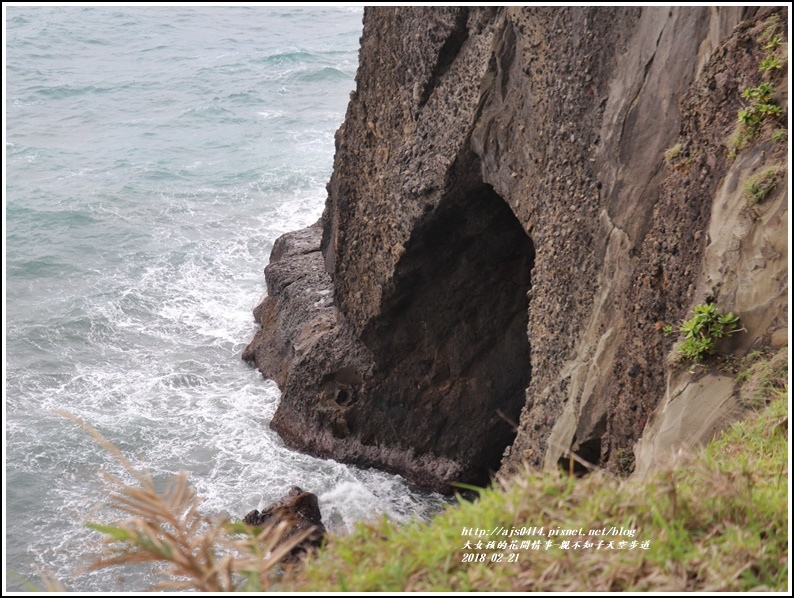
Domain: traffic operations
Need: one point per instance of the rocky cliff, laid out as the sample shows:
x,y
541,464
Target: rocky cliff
x,y
504,240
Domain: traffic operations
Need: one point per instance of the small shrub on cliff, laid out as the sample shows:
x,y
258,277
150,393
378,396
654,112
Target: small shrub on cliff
x,y
772,26
671,154
759,95
761,109
770,63
702,331
761,184
774,45
780,135
764,377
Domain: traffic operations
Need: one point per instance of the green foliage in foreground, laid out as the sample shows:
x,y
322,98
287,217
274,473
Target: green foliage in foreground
x,y
716,522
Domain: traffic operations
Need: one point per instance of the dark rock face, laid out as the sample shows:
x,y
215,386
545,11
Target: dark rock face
x,y
450,348
301,512
447,357
502,234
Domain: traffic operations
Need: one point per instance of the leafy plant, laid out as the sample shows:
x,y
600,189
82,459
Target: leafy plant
x,y
761,184
761,108
759,95
770,63
773,43
749,118
772,110
702,331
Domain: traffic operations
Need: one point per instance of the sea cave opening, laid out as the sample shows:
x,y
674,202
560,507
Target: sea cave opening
x,y
451,343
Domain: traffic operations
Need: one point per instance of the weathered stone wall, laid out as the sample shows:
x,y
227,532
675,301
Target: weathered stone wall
x,y
503,238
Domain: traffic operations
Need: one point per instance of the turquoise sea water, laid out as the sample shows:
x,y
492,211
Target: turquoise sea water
x,y
153,156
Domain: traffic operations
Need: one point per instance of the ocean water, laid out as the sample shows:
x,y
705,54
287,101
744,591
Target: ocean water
x,y
153,156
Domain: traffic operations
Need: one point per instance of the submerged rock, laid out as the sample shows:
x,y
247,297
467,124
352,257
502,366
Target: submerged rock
x,y
301,511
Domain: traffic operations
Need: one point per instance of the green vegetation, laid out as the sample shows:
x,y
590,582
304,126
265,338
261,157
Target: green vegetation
x,y
762,377
737,140
716,523
780,135
680,159
775,47
702,331
762,109
759,95
671,154
773,43
761,184
770,63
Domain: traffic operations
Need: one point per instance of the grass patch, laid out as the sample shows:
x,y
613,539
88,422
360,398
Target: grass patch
x,y
672,153
739,139
719,522
763,376
761,184
715,521
780,135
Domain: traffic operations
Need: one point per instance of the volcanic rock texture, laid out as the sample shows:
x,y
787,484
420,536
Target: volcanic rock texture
x,y
503,240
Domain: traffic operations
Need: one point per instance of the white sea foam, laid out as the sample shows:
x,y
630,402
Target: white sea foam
x,y
140,231
271,114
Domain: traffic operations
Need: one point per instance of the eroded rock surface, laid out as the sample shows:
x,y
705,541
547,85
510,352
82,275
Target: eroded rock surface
x,y
503,238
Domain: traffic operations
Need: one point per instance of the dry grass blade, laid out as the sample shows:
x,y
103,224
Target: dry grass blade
x,y
266,549
53,584
167,527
